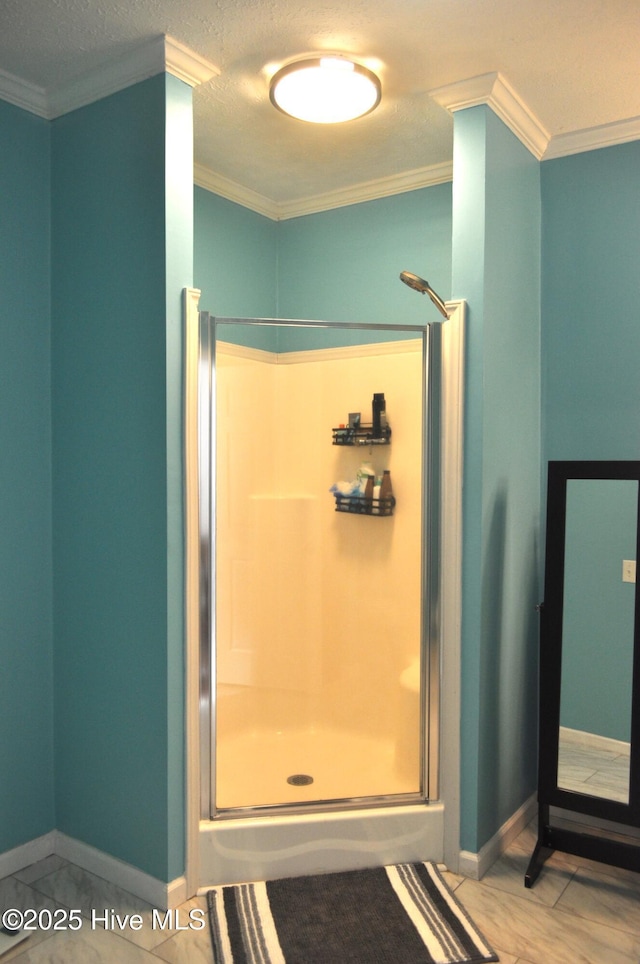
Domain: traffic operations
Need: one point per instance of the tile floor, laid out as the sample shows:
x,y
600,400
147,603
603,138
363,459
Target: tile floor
x,y
578,911
598,772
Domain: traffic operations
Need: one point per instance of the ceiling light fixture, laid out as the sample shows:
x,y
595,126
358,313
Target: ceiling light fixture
x,y
325,90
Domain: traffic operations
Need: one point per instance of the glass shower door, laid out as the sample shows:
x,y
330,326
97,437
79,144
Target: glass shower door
x,y
318,670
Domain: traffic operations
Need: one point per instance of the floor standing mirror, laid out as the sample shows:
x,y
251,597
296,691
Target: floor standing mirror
x,y
589,736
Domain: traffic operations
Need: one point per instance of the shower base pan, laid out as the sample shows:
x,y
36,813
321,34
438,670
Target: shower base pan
x,y
270,767
265,847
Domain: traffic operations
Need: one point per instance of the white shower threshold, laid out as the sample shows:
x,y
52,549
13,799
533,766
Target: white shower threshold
x,y
265,848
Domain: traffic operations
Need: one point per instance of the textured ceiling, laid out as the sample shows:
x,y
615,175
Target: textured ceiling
x,y
574,63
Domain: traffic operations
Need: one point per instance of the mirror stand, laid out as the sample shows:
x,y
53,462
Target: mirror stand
x,y
589,701
593,843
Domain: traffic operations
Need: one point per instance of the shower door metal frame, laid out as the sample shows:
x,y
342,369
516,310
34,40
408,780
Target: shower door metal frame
x,y
430,628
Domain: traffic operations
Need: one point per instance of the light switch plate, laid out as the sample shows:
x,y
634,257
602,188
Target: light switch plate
x,y
628,570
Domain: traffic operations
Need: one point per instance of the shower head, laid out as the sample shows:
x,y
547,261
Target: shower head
x,y
419,284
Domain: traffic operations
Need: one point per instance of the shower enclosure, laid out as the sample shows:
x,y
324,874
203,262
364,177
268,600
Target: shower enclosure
x,y
319,618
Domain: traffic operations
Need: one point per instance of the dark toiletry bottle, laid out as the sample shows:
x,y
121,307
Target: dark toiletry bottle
x,y
379,414
368,493
386,489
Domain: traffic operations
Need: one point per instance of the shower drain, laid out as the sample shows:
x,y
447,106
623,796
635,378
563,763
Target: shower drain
x,y
300,780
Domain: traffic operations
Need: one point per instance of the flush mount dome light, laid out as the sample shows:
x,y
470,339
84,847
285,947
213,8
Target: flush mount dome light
x,y
325,90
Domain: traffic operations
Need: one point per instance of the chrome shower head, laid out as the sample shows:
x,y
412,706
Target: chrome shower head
x,y
419,284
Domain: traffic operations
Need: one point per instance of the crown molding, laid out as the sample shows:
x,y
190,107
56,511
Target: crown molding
x,y
161,54
164,53
593,138
22,94
185,64
366,191
232,191
498,94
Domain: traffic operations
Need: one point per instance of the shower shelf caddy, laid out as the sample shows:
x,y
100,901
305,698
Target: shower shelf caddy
x,y
359,505
357,433
360,435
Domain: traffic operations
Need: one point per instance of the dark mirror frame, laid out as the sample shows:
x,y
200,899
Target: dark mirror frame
x,y
602,835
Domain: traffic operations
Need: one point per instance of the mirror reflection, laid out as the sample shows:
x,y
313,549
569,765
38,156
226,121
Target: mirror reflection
x,y
597,637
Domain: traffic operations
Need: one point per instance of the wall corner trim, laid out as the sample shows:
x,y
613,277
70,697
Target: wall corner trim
x,y
475,866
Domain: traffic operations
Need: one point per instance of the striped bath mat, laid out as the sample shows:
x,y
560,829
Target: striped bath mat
x,y
402,914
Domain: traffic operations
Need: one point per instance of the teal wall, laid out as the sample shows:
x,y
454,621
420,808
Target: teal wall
x,y
344,265
340,265
26,640
590,294
116,354
496,268
590,349
598,607
235,263
235,258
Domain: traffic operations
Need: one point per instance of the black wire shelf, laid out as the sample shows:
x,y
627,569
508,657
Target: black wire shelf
x,y
360,505
362,435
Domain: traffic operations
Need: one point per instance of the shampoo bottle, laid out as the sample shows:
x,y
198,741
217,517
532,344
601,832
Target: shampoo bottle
x,y
368,494
379,414
386,493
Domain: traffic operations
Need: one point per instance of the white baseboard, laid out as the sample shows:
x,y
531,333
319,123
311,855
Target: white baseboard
x,y
156,892
475,866
29,853
164,895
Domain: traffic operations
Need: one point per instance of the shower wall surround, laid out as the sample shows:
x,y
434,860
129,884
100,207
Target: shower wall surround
x,y
316,603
